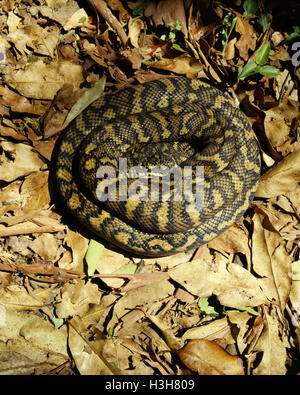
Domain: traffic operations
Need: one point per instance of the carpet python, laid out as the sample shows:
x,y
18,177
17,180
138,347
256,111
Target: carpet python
x,y
172,123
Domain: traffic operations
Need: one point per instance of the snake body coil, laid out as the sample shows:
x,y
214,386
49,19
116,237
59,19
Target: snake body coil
x,y
173,121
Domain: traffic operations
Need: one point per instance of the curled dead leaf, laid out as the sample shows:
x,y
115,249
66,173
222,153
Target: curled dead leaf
x,y
182,65
232,284
207,358
270,259
247,39
282,178
134,29
19,160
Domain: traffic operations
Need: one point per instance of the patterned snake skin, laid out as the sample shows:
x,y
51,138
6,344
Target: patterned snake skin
x,y
172,121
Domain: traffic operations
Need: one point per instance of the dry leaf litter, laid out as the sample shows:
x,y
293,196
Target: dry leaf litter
x,y
230,307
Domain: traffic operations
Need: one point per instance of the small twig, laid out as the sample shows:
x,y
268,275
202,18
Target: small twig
x,y
283,88
102,7
135,280
44,269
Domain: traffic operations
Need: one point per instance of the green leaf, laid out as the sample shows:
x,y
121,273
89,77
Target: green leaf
x,y
264,22
296,29
178,25
93,255
293,35
172,36
82,20
229,26
249,69
270,71
110,331
263,54
297,226
58,322
250,7
206,308
178,47
249,310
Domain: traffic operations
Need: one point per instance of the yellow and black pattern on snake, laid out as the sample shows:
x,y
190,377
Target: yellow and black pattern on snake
x,y
142,123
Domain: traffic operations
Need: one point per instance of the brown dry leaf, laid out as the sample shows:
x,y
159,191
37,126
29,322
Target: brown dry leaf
x,y
18,160
232,284
233,240
294,198
117,5
207,358
28,342
78,245
240,319
137,280
13,22
248,37
78,19
35,192
270,260
60,12
142,296
41,81
230,49
138,56
295,295
284,222
282,178
55,3
10,198
87,362
18,103
99,55
16,298
135,26
53,119
25,200
13,133
216,329
278,121
112,262
34,222
190,67
42,41
284,81
129,355
276,127
44,147
88,354
46,246
274,350
77,298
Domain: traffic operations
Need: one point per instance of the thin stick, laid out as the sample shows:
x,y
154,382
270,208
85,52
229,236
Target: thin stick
x,y
102,7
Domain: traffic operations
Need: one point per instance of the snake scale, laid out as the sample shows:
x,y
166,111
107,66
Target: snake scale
x,y
179,121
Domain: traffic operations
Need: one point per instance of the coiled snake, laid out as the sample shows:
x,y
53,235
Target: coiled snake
x,y
173,121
